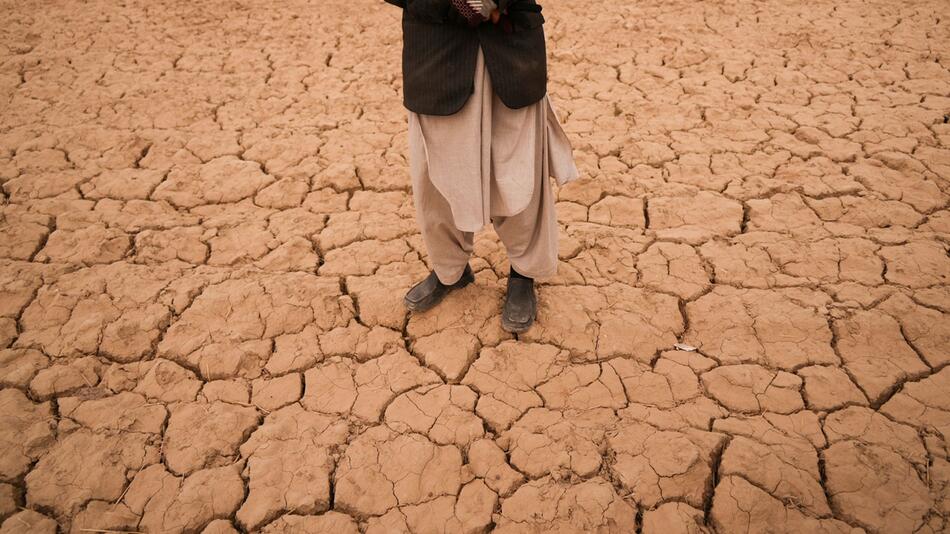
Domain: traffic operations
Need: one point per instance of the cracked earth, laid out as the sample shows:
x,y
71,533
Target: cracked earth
x,y
206,230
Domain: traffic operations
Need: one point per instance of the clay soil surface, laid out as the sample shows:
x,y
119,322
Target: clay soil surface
x,y
206,231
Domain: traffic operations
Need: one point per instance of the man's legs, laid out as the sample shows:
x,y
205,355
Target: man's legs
x,y
448,247
530,236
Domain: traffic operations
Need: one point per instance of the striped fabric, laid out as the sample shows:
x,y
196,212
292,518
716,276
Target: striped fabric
x,y
438,60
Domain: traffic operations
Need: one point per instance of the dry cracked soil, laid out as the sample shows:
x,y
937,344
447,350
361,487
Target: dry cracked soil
x,y
206,230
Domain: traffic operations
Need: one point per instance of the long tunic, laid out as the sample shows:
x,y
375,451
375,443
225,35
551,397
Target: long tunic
x,y
485,158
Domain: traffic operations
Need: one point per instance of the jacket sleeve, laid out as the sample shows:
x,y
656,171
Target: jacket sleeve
x,y
399,3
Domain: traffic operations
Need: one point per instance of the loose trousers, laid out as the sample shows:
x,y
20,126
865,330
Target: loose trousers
x,y
529,237
488,163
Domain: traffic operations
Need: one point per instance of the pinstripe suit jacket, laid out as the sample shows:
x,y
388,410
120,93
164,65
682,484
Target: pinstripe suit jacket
x,y
439,51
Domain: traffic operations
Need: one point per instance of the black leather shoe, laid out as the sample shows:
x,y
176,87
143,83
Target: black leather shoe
x,y
430,291
521,305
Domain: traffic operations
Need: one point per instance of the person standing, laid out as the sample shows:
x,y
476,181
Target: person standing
x,y
484,139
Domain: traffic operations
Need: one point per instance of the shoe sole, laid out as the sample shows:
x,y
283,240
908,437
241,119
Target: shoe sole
x,y
428,304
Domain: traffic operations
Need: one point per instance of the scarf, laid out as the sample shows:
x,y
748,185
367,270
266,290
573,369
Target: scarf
x,y
475,11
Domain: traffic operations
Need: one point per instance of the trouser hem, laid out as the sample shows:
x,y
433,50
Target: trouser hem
x,y
452,277
530,273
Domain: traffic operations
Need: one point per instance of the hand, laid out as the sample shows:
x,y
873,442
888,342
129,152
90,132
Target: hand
x,y
495,16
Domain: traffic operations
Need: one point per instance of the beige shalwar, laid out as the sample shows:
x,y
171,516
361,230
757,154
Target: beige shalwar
x,y
488,163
